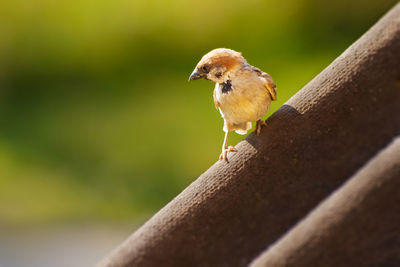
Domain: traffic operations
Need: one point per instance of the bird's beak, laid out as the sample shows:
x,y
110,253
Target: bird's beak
x,y
196,75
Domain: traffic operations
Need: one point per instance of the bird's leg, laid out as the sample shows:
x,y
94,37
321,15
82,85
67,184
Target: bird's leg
x,y
259,125
225,148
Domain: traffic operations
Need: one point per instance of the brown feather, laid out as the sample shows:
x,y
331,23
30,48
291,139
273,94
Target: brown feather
x,y
224,57
269,84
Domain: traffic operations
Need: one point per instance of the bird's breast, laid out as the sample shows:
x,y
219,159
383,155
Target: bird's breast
x,y
242,100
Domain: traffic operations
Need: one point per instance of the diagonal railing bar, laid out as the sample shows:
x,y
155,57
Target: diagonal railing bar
x,y
358,225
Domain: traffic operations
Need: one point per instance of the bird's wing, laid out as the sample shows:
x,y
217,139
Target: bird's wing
x,y
215,99
269,83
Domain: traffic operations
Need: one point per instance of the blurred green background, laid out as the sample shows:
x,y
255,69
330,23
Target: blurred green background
x,y
97,119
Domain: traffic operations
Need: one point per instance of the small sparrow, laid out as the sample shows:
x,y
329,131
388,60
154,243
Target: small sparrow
x,y
242,92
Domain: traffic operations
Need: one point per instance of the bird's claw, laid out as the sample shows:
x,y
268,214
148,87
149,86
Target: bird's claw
x,y
259,125
224,154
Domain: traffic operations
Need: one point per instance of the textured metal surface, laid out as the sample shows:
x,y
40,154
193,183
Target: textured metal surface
x,y
359,225
311,145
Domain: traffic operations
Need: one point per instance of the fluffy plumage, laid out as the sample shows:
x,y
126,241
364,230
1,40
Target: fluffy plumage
x,y
242,93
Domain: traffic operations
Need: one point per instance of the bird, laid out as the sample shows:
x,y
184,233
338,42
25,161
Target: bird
x,y
242,92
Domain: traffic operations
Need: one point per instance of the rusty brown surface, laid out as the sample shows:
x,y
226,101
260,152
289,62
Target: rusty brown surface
x,y
311,145
359,225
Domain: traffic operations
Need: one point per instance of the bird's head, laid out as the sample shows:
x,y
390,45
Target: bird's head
x,y
215,65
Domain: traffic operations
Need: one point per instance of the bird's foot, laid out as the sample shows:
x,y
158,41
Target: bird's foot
x,y
259,125
224,154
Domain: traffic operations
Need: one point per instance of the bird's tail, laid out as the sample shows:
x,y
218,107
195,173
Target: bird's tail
x,y
243,128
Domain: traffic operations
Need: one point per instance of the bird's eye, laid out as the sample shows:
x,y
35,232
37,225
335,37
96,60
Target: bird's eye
x,y
205,68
